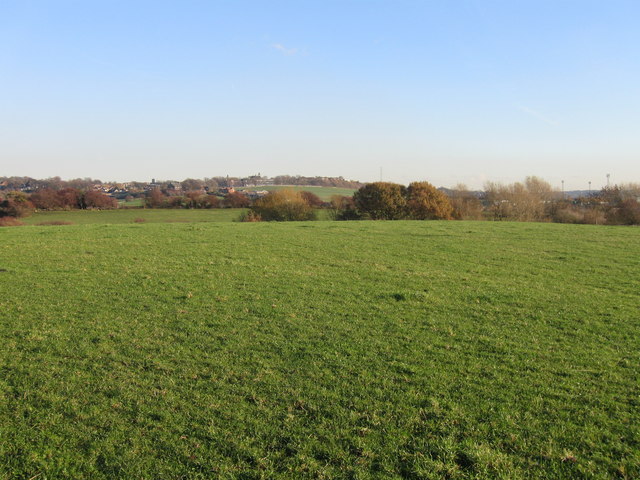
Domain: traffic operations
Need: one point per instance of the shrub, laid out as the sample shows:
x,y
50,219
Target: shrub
x,y
568,215
525,202
236,200
283,205
250,216
54,223
10,222
95,199
627,212
208,201
381,201
15,204
46,199
594,216
343,208
154,198
312,199
466,205
426,202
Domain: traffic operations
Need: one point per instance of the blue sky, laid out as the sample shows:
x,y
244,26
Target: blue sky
x,y
446,91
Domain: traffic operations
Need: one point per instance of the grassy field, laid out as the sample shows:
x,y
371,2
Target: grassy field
x,y
133,203
325,193
133,215
320,350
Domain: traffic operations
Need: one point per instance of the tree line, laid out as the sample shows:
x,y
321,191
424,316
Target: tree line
x,y
530,200
211,184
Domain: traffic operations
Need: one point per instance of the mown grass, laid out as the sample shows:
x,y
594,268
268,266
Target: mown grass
x,y
133,203
134,215
320,350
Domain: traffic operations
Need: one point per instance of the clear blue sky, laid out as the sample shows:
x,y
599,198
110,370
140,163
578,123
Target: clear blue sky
x,y
447,91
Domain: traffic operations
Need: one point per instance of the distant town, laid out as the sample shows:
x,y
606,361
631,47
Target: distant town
x,y
215,185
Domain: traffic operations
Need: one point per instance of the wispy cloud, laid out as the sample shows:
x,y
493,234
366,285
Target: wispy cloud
x,y
285,50
538,115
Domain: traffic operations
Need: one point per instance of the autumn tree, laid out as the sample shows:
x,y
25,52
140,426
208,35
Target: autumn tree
x,y
95,199
621,204
627,212
69,198
197,199
283,205
311,198
15,204
381,201
342,207
155,198
466,204
236,200
191,184
527,201
46,199
426,202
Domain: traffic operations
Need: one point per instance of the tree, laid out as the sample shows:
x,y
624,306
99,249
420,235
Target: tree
x,y
69,198
311,198
381,201
343,208
191,184
426,202
283,205
95,199
15,204
236,200
526,202
46,199
626,213
466,205
155,198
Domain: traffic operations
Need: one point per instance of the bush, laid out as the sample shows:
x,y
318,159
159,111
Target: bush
x,y
594,216
312,199
343,208
250,216
236,200
282,206
381,201
54,223
390,201
627,212
466,205
426,202
10,222
524,202
95,199
154,198
15,204
568,215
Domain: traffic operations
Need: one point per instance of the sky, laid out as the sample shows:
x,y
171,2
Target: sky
x,y
450,91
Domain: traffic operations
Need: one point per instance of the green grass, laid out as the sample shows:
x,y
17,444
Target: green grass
x,y
133,215
320,350
133,203
325,193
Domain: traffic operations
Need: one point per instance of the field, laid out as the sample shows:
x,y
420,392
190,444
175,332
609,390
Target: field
x,y
133,215
319,350
325,193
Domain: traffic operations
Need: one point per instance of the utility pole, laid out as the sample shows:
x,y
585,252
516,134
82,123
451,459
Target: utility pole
x,y
562,189
589,187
